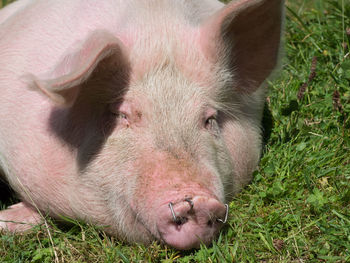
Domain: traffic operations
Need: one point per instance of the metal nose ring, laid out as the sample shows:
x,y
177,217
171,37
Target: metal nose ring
x,y
190,202
177,219
172,211
225,218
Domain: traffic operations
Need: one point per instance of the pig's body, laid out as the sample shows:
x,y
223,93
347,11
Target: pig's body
x,y
111,110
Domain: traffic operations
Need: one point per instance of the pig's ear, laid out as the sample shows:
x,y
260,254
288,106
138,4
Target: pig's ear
x,y
100,54
245,35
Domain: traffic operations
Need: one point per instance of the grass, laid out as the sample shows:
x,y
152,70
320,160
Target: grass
x,y
297,209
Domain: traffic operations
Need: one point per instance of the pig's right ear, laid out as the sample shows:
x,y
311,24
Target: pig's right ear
x,y
100,53
245,36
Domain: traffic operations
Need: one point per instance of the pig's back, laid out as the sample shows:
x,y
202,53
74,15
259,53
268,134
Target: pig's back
x,y
10,10
37,33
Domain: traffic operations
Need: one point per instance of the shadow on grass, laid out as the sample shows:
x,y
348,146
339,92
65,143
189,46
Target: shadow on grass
x,y
267,125
7,195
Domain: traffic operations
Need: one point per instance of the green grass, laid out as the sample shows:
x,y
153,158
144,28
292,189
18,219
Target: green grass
x,y
297,209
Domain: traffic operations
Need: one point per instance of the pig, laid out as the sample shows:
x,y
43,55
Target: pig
x,y
140,116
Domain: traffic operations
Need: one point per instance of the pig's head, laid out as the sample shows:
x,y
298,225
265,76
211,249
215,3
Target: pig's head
x,y
165,133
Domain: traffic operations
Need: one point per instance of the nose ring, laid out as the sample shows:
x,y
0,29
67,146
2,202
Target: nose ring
x,y
226,216
177,219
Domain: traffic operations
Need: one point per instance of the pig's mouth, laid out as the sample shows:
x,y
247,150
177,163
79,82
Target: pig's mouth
x,y
190,222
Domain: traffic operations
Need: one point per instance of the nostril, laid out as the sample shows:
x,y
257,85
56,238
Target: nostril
x,y
179,220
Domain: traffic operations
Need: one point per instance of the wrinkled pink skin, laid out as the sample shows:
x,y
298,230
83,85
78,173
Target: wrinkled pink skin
x,y
111,110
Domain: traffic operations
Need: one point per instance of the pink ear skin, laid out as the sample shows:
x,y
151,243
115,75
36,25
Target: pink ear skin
x,y
245,36
82,85
100,50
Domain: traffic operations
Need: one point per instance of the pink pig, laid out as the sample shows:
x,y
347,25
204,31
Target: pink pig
x,y
142,116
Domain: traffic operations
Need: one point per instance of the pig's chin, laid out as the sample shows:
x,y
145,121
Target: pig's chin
x,y
131,229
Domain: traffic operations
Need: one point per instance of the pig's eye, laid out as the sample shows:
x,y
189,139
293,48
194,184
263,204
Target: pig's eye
x,y
212,125
123,119
122,116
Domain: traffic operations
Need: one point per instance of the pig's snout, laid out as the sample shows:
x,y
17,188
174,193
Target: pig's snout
x,y
192,221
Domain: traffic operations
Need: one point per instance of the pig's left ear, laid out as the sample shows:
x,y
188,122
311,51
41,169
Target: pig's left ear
x,y
245,35
97,58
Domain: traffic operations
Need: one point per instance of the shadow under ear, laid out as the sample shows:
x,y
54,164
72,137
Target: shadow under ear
x,y
83,85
